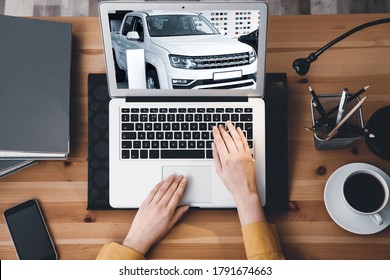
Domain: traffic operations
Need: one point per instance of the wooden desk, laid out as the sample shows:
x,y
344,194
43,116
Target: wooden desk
x,y
306,231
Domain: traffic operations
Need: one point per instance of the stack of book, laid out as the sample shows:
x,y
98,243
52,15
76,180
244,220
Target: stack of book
x,y
35,64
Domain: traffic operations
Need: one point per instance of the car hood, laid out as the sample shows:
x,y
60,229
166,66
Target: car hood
x,y
201,45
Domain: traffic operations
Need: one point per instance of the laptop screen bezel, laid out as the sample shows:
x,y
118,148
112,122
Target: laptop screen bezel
x,y
108,7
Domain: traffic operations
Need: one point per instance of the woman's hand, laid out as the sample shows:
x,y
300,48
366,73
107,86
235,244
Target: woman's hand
x,y
234,165
157,214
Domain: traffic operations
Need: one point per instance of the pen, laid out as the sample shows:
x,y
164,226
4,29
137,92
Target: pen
x,y
351,97
335,130
317,103
343,102
353,128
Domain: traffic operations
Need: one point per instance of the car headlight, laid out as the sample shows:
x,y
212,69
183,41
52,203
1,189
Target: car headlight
x,y
182,62
252,56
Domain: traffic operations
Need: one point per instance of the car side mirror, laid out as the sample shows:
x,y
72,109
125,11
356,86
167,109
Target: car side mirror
x,y
132,35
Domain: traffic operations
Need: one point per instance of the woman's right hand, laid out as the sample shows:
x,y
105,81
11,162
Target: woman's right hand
x,y
234,164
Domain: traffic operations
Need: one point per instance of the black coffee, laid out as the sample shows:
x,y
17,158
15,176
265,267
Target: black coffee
x,y
364,192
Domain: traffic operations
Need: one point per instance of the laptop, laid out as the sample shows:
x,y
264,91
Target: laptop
x,y
175,70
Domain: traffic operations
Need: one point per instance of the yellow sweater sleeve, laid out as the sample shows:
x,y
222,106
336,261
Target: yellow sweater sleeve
x,y
115,251
261,242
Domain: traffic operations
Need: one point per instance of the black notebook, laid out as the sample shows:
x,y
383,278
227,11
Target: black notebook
x,y
276,142
35,61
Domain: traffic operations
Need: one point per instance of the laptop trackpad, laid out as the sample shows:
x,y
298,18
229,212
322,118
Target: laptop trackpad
x,y
198,182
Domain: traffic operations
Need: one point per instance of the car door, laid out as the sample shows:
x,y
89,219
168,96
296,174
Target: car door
x,y
131,23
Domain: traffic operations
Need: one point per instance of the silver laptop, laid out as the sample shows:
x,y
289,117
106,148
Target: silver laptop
x,y
175,70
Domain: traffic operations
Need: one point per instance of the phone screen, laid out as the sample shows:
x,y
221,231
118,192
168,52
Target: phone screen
x,y
29,232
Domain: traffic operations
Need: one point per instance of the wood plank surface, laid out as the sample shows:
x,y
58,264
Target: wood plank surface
x,y
306,230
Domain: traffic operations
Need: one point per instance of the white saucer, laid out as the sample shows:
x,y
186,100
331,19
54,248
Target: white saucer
x,y
340,213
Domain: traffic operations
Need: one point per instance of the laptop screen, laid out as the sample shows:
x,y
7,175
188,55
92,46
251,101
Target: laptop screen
x,y
178,48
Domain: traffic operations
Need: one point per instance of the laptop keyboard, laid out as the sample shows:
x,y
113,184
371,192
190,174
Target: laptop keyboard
x,y
177,133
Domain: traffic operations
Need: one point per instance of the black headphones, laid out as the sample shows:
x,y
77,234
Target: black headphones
x,y
302,65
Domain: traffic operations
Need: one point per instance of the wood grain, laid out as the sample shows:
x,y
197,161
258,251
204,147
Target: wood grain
x,y
306,230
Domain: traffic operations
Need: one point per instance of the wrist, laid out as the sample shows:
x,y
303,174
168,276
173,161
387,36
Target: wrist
x,y
246,194
137,245
250,209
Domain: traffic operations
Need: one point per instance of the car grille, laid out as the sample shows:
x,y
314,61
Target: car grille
x,y
221,61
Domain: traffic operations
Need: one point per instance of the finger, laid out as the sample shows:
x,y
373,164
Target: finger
x,y
235,136
179,213
243,139
217,160
163,189
177,195
165,200
231,147
219,142
152,193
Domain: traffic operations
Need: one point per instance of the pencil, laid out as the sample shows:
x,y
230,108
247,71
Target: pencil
x,y
319,133
350,98
353,96
318,105
335,130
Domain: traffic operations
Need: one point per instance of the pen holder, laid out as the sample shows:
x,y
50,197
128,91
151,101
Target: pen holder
x,y
348,133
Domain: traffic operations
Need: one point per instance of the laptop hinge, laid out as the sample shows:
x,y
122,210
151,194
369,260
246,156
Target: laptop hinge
x,y
188,99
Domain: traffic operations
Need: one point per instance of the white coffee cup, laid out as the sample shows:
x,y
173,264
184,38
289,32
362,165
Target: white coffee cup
x,y
366,192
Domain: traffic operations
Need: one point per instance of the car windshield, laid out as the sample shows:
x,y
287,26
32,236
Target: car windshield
x,y
179,25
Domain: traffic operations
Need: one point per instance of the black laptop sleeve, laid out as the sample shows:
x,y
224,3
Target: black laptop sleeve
x,y
276,142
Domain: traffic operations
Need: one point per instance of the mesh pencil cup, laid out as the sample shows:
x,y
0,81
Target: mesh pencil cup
x,y
348,133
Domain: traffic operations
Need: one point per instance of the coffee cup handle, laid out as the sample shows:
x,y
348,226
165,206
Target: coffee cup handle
x,y
377,218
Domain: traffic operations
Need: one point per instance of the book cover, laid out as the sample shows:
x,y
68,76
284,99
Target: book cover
x,y
35,61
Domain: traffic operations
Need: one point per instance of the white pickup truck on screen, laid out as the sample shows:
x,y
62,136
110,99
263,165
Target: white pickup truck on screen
x,y
184,51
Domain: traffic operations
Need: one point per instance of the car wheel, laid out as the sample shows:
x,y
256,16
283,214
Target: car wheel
x,y
152,79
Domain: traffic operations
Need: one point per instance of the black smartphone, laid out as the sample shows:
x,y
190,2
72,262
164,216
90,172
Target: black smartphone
x,y
29,232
